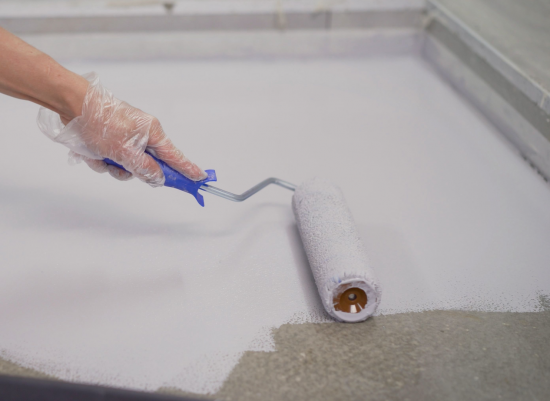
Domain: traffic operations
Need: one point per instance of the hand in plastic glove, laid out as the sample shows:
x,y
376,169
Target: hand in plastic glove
x,y
110,128
97,124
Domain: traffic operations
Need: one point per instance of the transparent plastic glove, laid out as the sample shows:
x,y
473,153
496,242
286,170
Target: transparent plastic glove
x,y
110,128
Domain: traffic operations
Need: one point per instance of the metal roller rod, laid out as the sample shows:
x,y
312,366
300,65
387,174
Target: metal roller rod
x,y
245,195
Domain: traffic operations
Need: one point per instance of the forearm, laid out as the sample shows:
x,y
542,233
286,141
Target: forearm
x,y
27,73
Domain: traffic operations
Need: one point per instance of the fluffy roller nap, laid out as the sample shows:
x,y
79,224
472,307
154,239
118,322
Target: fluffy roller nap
x,y
335,252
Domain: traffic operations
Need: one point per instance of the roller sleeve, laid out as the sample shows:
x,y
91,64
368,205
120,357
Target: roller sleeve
x,y
348,287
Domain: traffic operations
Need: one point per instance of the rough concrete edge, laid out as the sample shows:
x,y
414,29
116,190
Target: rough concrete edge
x,y
9,368
174,391
78,8
227,45
478,45
508,89
325,18
497,98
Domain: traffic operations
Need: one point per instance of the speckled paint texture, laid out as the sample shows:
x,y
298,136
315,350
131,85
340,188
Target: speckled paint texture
x,y
125,285
335,252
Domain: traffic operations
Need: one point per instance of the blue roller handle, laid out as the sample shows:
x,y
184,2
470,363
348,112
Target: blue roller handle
x,y
174,179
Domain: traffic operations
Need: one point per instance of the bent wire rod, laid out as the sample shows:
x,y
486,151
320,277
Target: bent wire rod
x,y
245,195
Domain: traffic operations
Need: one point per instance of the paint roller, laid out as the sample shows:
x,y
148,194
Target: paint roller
x,y
345,279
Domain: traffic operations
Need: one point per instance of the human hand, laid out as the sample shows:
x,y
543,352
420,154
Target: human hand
x,y
110,128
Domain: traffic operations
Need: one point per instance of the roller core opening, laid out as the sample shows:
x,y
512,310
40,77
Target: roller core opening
x,y
350,299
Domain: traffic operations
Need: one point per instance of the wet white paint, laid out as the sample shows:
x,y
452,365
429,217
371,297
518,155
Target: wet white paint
x,y
121,284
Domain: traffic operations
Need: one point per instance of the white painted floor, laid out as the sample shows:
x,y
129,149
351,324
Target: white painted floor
x,y
120,284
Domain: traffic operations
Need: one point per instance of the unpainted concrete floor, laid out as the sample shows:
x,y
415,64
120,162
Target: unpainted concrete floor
x,y
433,355
437,355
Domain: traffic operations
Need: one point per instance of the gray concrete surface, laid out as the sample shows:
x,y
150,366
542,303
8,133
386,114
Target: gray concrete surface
x,y
520,30
435,355
13,369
